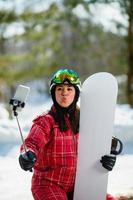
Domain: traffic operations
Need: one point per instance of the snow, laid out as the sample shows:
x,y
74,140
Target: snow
x,y
121,178
15,183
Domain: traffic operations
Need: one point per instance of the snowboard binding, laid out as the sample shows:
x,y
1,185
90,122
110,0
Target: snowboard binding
x,y
116,146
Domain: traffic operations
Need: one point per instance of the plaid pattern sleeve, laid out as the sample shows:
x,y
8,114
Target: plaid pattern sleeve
x,y
39,133
56,154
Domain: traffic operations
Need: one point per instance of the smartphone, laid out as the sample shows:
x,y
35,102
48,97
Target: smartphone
x,y
19,99
21,93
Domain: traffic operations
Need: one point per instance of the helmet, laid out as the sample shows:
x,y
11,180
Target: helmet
x,y
65,76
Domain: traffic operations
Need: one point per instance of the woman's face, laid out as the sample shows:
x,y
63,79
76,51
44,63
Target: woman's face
x,y
64,95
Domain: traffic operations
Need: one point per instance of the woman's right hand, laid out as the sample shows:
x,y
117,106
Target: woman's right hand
x,y
27,160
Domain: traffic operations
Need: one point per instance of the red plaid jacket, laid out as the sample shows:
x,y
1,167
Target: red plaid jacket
x,y
56,153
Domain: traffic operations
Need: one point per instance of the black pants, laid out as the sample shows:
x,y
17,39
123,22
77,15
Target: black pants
x,y
70,195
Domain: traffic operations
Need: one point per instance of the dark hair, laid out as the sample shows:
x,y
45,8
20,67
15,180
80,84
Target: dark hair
x,y
60,113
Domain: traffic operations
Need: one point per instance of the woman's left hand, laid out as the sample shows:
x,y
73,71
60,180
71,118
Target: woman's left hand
x,y
108,161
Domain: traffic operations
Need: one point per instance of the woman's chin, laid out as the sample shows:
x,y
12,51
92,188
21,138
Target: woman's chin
x,y
64,105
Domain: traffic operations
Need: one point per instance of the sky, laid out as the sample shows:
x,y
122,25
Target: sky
x,y
107,15
103,14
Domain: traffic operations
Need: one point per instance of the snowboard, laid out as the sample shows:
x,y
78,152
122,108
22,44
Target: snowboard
x,y
97,105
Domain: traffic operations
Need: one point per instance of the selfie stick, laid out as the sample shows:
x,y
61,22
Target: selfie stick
x,y
17,103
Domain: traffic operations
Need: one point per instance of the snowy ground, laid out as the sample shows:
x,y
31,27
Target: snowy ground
x,y
121,178
15,183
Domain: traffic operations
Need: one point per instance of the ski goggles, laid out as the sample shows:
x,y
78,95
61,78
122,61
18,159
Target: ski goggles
x,y
66,75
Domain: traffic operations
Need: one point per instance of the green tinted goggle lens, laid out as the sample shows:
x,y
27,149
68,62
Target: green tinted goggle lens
x,y
71,77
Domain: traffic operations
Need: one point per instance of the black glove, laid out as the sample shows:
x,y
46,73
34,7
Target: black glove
x,y
116,146
27,160
108,161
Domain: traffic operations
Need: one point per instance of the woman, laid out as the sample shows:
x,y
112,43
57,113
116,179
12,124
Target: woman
x,y
53,139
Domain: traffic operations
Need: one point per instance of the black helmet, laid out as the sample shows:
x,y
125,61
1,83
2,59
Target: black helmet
x,y
66,76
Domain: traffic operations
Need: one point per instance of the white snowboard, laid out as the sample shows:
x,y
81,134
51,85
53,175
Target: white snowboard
x,y
98,101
